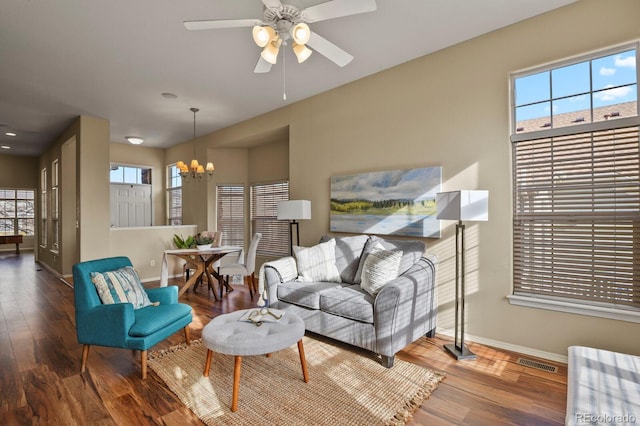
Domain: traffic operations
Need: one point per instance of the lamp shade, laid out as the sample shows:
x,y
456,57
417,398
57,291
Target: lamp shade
x,y
270,52
302,52
294,209
263,35
301,33
463,205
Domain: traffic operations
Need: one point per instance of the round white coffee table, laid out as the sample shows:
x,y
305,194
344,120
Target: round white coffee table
x,y
227,335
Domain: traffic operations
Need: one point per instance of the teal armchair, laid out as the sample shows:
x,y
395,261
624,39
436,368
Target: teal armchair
x,y
119,325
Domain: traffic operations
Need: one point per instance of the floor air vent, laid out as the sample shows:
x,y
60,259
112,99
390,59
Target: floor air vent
x,y
537,364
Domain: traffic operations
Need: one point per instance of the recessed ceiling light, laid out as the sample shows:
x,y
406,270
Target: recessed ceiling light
x,y
136,140
10,134
5,147
169,95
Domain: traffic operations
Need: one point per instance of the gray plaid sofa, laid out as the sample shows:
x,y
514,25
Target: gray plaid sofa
x,y
403,311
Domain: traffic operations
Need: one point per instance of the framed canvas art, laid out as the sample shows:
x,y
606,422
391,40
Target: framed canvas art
x,y
396,202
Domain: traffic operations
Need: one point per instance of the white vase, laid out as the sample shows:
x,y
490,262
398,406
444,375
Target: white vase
x,y
203,246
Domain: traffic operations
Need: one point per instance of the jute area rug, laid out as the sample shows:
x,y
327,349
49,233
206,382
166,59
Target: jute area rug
x,y
346,387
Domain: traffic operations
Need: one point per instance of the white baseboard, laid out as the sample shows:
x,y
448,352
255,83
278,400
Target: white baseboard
x,y
509,347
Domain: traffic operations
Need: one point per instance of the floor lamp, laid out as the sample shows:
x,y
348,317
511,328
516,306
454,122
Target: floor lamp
x,y
294,210
468,206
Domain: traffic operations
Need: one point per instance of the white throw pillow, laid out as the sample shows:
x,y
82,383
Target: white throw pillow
x,y
380,267
317,263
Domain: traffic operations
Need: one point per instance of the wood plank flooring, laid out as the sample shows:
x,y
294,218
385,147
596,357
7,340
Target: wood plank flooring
x,y
41,384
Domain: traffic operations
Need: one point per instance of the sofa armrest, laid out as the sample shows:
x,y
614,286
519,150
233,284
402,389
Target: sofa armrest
x,y
406,307
272,280
105,325
165,295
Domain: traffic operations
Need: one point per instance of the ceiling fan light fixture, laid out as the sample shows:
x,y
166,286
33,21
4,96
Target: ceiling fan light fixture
x,y
263,35
302,52
270,51
301,33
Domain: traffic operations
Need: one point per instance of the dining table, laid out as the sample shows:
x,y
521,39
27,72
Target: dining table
x,y
203,259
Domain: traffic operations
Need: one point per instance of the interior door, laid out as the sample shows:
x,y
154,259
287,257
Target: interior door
x,y
130,205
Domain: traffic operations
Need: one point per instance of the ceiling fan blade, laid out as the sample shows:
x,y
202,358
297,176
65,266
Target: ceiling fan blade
x,y
337,9
262,66
328,49
221,23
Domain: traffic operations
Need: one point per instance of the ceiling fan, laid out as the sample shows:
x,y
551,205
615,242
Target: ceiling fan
x,y
284,22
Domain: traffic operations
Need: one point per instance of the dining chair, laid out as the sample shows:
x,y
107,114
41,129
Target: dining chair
x,y
245,267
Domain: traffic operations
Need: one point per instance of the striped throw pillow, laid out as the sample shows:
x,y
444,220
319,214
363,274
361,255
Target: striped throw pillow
x,y
120,286
380,267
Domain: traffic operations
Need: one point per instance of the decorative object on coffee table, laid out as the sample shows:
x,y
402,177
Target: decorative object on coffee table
x,y
468,206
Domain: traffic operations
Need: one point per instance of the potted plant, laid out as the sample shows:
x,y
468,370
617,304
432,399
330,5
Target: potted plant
x,y
183,243
203,241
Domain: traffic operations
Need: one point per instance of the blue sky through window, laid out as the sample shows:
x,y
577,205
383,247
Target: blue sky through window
x,y
605,81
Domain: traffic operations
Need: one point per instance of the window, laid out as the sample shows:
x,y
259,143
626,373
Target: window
x,y
43,207
55,203
174,196
129,174
590,90
264,218
17,212
231,214
576,208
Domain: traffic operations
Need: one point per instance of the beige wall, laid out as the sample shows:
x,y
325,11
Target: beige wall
x,y
141,156
451,108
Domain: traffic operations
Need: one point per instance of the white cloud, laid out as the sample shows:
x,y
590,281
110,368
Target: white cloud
x,y
607,71
629,61
612,94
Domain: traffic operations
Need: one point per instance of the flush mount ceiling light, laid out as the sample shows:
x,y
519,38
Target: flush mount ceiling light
x,y
195,170
283,22
136,140
11,134
5,147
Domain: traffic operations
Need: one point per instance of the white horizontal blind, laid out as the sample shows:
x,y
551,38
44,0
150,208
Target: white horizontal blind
x,y
577,216
264,218
231,214
174,196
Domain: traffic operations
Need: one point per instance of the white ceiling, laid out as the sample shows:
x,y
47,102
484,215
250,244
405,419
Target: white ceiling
x,y
113,59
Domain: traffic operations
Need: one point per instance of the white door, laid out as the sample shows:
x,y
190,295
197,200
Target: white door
x,y
130,205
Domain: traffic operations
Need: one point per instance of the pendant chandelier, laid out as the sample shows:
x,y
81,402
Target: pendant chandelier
x,y
195,170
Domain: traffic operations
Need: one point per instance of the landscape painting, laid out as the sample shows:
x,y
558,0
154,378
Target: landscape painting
x,y
397,202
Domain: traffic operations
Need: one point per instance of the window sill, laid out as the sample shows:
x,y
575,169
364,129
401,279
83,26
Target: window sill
x,y
576,308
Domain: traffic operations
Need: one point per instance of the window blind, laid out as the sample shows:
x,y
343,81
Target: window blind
x,y
174,196
231,214
577,217
264,218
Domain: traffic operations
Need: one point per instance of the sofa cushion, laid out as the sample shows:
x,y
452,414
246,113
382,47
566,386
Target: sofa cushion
x,y
317,263
348,302
380,267
348,252
154,318
120,286
304,294
412,251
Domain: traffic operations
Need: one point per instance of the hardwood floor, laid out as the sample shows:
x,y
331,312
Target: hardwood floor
x,y
40,380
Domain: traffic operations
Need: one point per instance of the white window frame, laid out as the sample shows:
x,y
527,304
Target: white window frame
x,y
591,308
174,187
